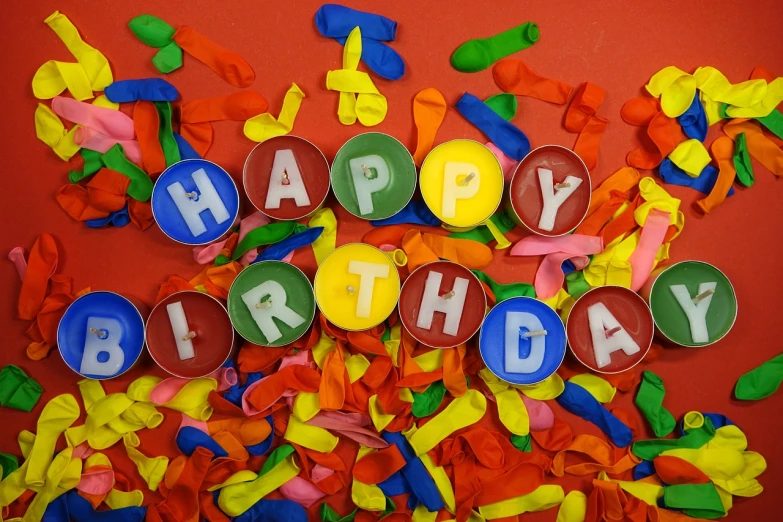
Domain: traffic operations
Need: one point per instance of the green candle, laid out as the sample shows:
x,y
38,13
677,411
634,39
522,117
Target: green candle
x,y
271,303
373,176
693,303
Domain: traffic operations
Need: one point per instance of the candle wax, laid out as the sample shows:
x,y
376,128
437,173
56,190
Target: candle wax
x,y
386,183
551,164
451,193
669,316
195,202
342,295
466,307
115,345
306,171
522,340
284,296
629,311
207,318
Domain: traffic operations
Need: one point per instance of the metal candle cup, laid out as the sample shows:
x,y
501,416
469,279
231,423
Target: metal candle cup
x,y
617,314
466,311
192,321
286,177
566,171
101,335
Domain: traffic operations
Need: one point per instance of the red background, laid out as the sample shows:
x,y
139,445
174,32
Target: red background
x,y
615,44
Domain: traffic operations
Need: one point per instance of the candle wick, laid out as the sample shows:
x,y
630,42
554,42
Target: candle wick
x,y
192,195
467,179
351,290
563,185
613,331
448,295
101,333
704,295
529,334
190,335
265,304
286,181
367,172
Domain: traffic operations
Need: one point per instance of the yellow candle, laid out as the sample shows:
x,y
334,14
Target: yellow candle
x,y
357,286
461,182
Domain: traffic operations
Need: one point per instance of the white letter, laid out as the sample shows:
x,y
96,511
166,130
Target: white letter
x,y
179,325
106,340
368,272
452,306
601,320
696,312
454,190
191,208
364,187
285,165
553,198
534,360
264,314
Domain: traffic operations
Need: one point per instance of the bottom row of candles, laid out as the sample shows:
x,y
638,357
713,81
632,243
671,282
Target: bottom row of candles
x,y
442,304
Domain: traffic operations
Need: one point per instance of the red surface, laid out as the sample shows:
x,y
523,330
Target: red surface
x,y
631,312
615,44
472,312
208,319
313,167
525,189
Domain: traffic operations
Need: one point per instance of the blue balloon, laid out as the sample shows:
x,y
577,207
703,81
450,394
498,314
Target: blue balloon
x,y
72,506
149,89
279,250
185,149
416,212
644,469
674,175
190,438
274,511
422,487
578,401
118,218
694,121
507,137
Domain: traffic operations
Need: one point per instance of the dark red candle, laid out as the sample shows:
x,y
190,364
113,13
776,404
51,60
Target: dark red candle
x,y
610,329
550,172
445,313
206,326
286,177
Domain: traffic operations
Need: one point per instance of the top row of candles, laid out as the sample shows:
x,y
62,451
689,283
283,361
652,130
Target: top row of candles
x,y
374,177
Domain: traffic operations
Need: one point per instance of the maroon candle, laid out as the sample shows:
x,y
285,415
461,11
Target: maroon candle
x,y
189,334
610,329
442,304
286,177
550,191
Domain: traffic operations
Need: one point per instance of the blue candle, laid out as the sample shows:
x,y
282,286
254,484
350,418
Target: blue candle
x,y
522,341
101,335
195,202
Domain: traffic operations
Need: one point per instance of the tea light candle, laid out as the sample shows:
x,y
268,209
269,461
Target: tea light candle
x,y
461,182
189,334
357,286
442,304
195,202
693,303
373,176
610,329
271,303
522,340
101,335
550,191
286,177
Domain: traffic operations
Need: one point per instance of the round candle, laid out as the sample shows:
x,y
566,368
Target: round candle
x,y
271,303
189,334
693,303
357,286
101,335
442,304
195,202
550,191
522,340
373,176
286,177
461,182
610,329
